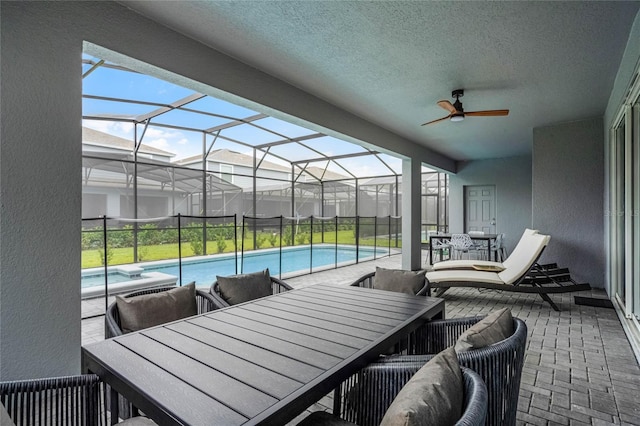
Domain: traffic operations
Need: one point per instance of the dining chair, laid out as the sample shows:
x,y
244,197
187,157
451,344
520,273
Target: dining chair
x,y
460,244
438,247
498,249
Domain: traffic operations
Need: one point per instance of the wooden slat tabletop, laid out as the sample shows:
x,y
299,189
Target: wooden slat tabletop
x,y
261,362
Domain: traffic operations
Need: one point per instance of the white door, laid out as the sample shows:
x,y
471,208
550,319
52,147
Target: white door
x,y
480,208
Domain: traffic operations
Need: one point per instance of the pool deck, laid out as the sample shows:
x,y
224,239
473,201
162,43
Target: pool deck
x,y
579,367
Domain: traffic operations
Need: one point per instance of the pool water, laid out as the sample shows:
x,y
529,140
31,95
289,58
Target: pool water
x,y
204,272
98,279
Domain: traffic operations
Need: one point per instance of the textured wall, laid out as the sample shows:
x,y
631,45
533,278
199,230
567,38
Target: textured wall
x,y
40,162
512,179
568,183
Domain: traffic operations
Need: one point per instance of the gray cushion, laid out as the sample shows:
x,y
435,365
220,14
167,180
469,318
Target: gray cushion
x,y
398,280
493,328
434,395
138,421
242,288
148,310
5,420
322,418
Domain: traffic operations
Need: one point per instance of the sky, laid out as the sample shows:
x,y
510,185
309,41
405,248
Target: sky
x,y
119,84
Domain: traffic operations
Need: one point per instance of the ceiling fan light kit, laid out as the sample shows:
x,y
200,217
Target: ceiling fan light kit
x,y
456,112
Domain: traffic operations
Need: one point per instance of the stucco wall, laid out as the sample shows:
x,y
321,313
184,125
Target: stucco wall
x,y
512,179
40,192
568,183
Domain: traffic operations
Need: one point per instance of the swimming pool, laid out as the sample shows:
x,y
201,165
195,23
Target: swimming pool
x,y
204,269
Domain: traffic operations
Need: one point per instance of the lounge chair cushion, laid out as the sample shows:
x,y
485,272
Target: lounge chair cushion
x,y
148,310
522,257
398,280
244,287
433,394
493,328
463,264
464,275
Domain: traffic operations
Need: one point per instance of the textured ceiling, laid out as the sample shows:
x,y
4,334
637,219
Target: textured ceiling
x,y
390,62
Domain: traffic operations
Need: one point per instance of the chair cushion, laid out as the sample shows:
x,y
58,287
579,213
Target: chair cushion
x,y
434,395
493,328
244,287
322,418
5,420
137,421
148,310
398,280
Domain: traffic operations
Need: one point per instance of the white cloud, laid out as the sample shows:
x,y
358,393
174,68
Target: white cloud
x,y
160,143
154,132
183,141
124,130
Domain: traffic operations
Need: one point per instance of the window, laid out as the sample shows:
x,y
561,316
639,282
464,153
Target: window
x,y
226,172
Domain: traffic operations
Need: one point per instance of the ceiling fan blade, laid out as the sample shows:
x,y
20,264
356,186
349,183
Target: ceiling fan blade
x,y
489,113
447,105
435,121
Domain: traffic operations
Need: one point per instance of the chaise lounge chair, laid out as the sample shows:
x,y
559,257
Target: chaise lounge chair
x,y
470,263
511,275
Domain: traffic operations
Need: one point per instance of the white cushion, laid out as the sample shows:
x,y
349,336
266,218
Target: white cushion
x,y
522,257
463,264
464,275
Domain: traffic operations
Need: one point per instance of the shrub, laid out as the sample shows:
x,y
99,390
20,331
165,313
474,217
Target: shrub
x,y
109,255
143,253
221,243
287,236
273,239
301,238
260,240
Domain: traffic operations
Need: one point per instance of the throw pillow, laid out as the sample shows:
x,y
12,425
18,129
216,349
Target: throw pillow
x,y
148,310
5,420
493,328
242,288
137,421
434,395
409,282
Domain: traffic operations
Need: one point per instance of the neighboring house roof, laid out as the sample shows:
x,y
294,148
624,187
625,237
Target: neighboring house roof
x,y
98,138
185,179
227,156
319,172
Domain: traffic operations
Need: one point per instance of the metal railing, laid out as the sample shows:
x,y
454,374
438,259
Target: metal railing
x,y
286,245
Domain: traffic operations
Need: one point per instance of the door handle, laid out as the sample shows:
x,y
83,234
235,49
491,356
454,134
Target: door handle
x,y
493,221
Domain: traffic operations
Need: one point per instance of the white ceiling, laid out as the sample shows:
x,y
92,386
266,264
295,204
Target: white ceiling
x,y
390,62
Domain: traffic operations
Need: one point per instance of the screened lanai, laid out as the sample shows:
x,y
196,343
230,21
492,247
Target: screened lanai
x,y
161,160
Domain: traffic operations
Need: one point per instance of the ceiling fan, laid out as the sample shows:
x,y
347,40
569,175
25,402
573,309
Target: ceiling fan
x,y
457,113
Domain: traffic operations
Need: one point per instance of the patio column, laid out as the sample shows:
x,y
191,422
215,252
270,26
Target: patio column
x,y
411,195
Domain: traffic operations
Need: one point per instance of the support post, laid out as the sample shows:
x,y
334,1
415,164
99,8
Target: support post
x,y
411,193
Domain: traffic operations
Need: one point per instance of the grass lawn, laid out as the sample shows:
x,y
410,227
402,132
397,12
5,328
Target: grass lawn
x,y
119,256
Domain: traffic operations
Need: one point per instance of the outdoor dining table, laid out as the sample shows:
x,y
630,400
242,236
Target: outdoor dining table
x,y
477,237
261,362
